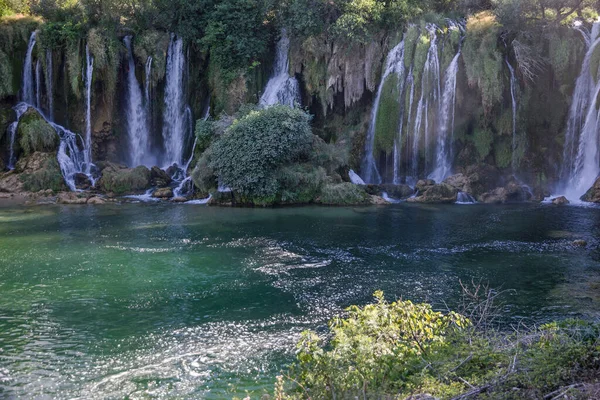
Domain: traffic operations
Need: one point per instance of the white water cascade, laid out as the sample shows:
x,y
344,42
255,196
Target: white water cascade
x,y
38,85
147,99
12,133
443,161
87,147
49,86
465,198
27,92
513,95
394,64
174,107
281,87
581,163
137,119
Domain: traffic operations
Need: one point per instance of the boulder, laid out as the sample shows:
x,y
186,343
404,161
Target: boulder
x,y
96,200
424,184
121,180
378,201
580,243
179,199
495,196
593,194
172,170
38,171
163,193
71,198
35,134
82,182
559,201
398,191
440,193
159,177
459,182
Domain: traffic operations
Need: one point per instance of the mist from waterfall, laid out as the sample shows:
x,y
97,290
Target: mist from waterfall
x,y
138,132
580,156
281,87
174,108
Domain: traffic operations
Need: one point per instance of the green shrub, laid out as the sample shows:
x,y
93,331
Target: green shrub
x,y
6,75
343,194
35,134
152,43
48,177
205,132
248,153
203,175
482,139
300,183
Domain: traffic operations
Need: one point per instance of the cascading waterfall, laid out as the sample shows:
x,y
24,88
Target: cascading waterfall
x,y
281,87
147,99
186,186
430,92
12,133
38,85
49,86
174,112
513,95
394,64
580,156
137,119
87,148
443,162
27,93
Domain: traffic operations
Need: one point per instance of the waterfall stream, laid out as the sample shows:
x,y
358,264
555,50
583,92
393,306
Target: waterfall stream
x,y
174,108
281,87
136,113
394,64
27,90
580,155
49,85
12,133
38,85
513,94
147,87
87,148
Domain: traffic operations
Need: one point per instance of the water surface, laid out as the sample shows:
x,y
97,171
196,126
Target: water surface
x,y
172,301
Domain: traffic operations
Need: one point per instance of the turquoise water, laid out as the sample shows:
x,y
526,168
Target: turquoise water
x,y
174,301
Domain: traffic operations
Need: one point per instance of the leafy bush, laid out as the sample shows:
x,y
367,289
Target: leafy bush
x,y
300,183
205,132
35,134
203,175
246,157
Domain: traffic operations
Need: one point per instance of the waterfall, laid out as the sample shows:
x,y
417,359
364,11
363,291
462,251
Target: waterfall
x,y
430,92
443,162
580,155
70,159
137,119
281,87
465,198
27,94
173,117
87,147
186,186
147,100
38,85
49,87
394,64
354,178
513,94
12,133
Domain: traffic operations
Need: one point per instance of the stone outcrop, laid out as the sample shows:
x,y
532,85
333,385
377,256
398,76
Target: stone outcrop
x,y
38,171
118,179
163,193
393,191
593,194
159,177
434,193
559,201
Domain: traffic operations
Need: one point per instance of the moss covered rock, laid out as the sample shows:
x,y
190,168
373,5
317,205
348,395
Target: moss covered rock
x,y
120,180
440,193
593,194
343,194
34,133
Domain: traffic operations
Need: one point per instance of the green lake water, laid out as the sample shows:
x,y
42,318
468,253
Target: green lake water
x,y
188,301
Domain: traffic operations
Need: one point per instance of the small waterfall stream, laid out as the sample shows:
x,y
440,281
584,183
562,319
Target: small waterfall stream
x,y
87,148
174,108
27,90
580,156
12,133
49,85
38,85
136,113
394,64
513,95
147,99
281,87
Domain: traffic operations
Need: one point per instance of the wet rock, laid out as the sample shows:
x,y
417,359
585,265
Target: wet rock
x,y
378,201
580,243
163,193
459,182
496,196
120,180
179,199
398,191
559,201
159,177
71,198
593,194
172,170
96,200
424,184
440,193
82,182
